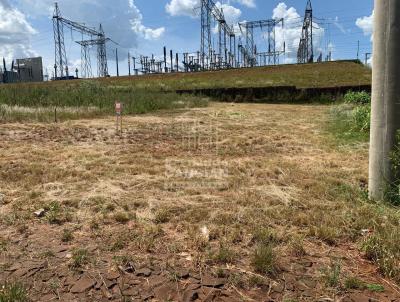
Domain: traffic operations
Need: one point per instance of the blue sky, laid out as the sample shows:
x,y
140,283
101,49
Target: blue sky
x,y
145,26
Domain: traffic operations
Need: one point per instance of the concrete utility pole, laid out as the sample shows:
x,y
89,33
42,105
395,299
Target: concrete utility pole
x,y
385,119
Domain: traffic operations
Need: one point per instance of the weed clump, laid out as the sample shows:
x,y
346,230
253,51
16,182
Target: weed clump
x,y
13,292
162,216
332,274
383,248
265,236
354,283
352,121
80,257
224,255
56,214
122,217
264,259
357,98
67,235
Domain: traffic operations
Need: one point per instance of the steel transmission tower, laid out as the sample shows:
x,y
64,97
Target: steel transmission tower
x,y
102,54
206,47
305,53
251,54
60,56
97,38
225,58
86,65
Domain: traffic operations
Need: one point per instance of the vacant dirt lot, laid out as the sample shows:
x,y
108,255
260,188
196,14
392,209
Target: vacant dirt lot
x,y
226,203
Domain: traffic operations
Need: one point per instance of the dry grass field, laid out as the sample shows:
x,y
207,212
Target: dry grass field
x,y
233,202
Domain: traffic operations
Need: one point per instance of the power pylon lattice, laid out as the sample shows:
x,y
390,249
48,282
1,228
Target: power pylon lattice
x,y
224,58
86,66
61,63
102,54
251,57
97,38
305,53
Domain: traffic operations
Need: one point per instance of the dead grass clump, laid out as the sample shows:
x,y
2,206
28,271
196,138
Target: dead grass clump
x,y
223,255
94,225
72,203
146,238
265,236
383,248
162,215
297,246
67,235
109,207
3,244
122,217
120,242
196,215
137,204
326,233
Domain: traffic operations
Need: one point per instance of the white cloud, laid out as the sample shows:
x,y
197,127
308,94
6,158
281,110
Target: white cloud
x,y
121,19
191,8
232,14
366,24
182,7
248,3
15,33
291,32
139,28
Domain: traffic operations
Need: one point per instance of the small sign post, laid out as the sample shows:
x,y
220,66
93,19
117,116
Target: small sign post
x,y
118,111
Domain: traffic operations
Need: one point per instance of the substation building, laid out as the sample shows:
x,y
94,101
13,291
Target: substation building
x,y
24,70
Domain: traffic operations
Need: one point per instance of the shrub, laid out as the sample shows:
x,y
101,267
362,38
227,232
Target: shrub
x,y
357,98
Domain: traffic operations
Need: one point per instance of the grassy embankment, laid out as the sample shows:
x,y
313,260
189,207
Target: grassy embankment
x,y
93,98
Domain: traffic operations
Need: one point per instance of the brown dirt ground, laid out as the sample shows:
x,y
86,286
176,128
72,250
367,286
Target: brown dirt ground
x,y
170,210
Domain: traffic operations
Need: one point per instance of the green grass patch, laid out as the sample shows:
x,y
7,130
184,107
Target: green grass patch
x,y
349,124
350,121
13,292
264,259
331,274
84,99
80,257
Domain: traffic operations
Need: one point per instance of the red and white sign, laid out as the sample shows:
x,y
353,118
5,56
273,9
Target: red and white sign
x,y
118,108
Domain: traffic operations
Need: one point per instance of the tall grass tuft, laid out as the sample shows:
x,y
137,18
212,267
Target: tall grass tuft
x,y
351,121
